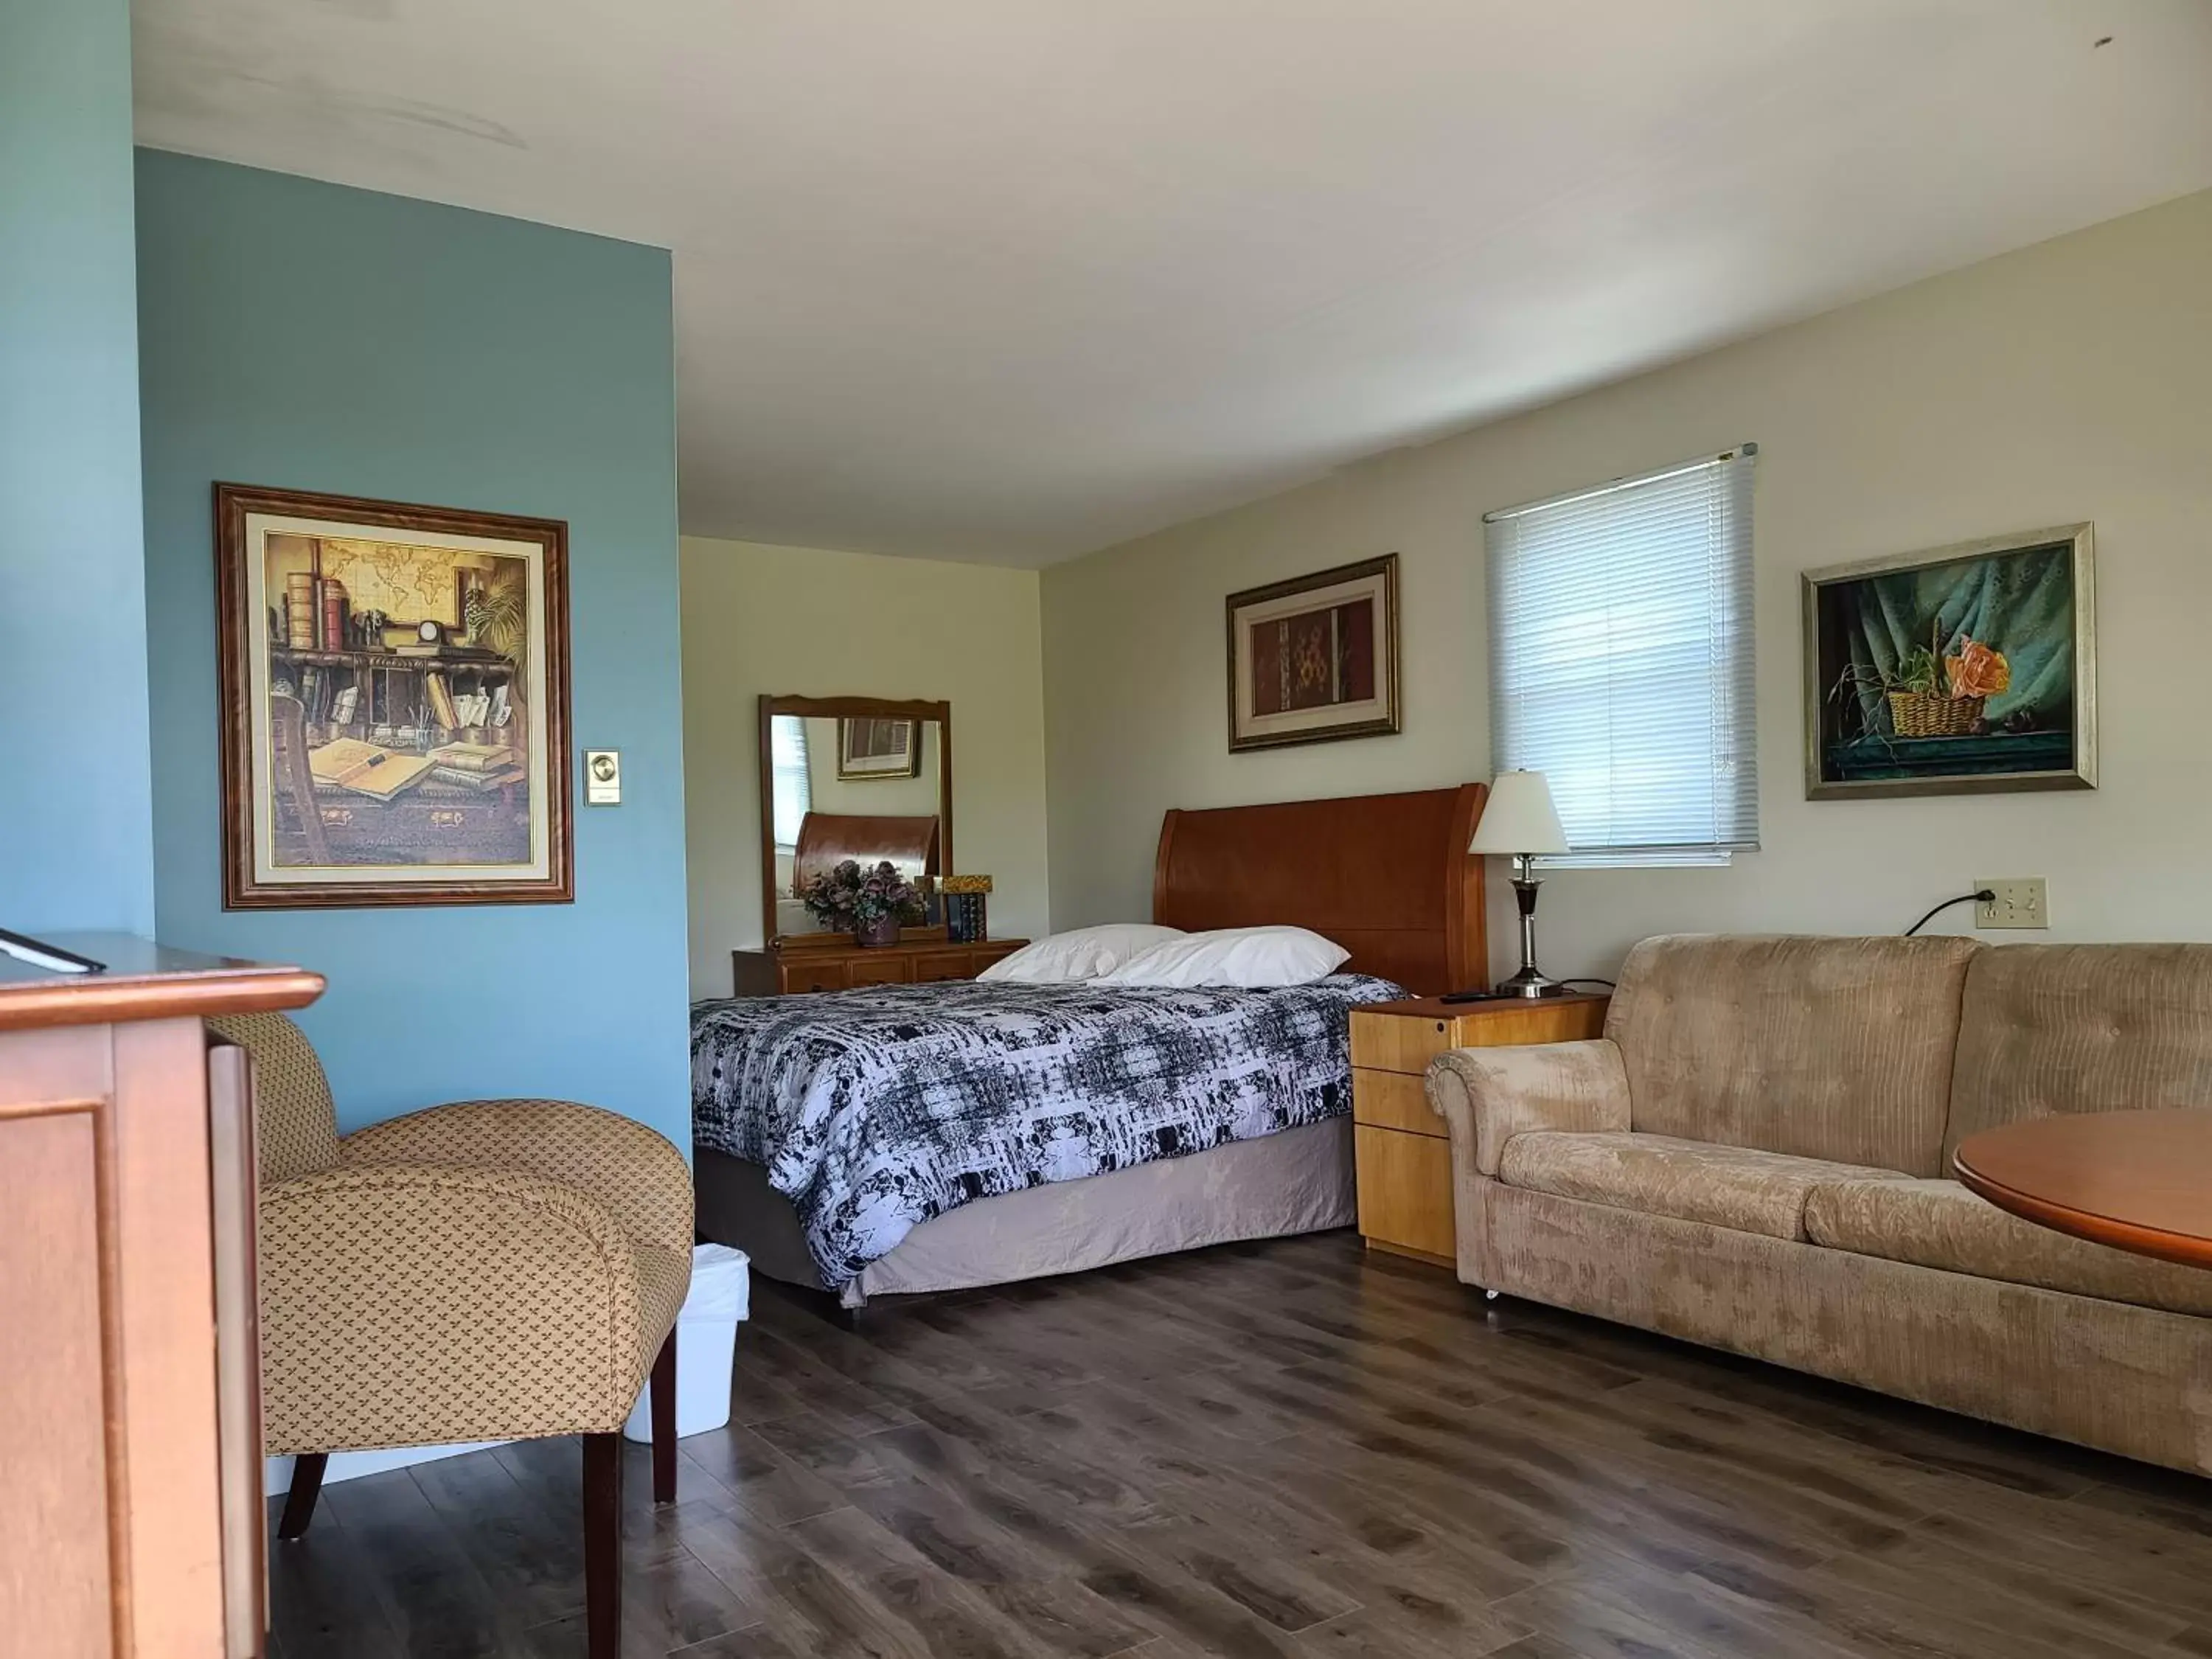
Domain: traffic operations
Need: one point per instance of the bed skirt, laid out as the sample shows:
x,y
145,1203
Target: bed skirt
x,y
1298,1181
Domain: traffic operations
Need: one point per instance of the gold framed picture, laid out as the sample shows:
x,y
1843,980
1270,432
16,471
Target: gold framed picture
x,y
872,748
1963,669
395,697
1315,659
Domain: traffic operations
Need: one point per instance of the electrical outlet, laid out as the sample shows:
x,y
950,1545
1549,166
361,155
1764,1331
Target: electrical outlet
x,y
2019,902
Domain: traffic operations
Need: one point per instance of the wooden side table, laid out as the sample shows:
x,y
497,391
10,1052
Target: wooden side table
x,y
1402,1151
2136,1181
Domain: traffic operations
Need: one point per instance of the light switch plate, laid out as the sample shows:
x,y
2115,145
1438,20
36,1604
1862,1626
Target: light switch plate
x,y
602,777
2020,901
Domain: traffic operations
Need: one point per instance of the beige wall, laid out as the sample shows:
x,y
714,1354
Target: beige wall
x,y
2070,380
805,621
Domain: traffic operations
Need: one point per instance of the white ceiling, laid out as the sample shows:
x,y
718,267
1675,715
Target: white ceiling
x,y
1014,279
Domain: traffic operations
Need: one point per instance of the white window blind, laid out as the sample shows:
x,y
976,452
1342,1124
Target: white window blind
x,y
794,789
1621,661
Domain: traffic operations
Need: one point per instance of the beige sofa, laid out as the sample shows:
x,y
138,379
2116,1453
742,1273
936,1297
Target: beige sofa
x,y
1755,1155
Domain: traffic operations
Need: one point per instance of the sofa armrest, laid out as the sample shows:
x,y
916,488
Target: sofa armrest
x,y
1490,1095
640,1179
404,1305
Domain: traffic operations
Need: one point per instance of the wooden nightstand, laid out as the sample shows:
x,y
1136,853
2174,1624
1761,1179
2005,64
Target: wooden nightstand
x,y
1403,1153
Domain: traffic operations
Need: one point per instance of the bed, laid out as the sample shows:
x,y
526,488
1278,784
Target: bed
x,y
1386,876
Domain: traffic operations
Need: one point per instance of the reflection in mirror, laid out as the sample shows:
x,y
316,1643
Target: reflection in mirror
x,y
865,788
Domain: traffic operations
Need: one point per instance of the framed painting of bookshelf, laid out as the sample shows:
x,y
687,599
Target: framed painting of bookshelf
x,y
395,698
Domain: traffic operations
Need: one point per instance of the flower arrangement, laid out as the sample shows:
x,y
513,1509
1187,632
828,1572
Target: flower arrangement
x,y
864,899
1930,693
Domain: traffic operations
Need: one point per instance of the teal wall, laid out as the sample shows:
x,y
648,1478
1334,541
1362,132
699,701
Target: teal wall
x,y
76,838
308,337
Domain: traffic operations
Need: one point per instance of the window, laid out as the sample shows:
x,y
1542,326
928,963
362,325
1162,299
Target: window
x,y
794,789
1621,661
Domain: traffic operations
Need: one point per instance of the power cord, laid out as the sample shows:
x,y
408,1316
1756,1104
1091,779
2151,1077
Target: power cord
x,y
1981,897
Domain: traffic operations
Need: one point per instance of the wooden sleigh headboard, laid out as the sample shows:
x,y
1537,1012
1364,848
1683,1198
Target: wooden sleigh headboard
x,y
827,839
1387,877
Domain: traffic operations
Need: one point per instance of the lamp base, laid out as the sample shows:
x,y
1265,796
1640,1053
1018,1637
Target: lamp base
x,y
1501,994
1531,984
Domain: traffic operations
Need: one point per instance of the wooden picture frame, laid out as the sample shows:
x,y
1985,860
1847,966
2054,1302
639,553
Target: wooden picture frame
x,y
1315,659
870,748
1963,670
356,635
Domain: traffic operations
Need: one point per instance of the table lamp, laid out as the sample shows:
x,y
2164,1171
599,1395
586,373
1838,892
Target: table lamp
x,y
1520,822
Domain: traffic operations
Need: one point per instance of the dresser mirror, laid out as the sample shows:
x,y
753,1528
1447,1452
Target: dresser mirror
x,y
867,779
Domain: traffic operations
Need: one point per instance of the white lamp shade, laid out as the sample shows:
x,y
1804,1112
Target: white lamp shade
x,y
1519,817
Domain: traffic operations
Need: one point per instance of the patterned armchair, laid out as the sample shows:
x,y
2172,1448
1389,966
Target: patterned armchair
x,y
490,1270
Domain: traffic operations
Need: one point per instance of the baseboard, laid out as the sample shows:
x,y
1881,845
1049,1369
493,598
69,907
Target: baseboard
x,y
276,1471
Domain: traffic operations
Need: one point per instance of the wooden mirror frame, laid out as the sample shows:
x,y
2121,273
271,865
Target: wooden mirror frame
x,y
882,708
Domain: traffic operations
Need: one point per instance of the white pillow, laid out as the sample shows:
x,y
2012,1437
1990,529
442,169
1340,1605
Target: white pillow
x,y
1252,958
1082,953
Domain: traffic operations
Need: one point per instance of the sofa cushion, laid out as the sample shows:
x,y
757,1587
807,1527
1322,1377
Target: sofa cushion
x,y
1836,1049
1939,1224
1737,1186
2082,1028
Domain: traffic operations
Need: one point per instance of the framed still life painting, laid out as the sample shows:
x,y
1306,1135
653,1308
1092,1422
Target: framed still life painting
x,y
1316,658
395,695
1960,671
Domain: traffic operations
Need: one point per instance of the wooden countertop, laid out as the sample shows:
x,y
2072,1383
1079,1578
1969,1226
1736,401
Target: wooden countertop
x,y
144,981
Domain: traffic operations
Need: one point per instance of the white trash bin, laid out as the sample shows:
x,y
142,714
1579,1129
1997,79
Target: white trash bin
x,y
706,1336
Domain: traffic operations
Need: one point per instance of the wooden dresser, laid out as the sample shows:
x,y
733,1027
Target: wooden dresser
x,y
788,966
131,1454
1402,1151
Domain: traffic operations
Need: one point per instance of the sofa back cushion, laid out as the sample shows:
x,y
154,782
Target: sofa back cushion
x,y
1837,1049
2082,1028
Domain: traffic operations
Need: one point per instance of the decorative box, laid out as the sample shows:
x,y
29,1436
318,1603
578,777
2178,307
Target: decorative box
x,y
965,922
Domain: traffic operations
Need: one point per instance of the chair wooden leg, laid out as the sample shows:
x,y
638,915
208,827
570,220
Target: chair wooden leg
x,y
300,1502
603,1546
663,1421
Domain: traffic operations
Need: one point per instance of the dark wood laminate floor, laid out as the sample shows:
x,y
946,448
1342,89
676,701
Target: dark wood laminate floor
x,y
1277,1451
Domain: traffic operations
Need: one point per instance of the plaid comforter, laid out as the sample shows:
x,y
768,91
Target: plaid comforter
x,y
875,1109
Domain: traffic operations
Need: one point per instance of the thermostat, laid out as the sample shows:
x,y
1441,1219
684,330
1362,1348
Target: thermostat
x,y
602,777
